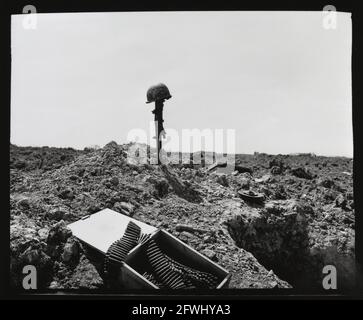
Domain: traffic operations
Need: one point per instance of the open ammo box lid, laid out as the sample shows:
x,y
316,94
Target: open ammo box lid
x,y
102,228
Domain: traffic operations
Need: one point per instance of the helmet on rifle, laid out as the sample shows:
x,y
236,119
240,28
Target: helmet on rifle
x,y
157,92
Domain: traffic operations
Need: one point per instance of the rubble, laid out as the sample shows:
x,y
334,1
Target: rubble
x,y
307,217
57,214
71,251
341,201
66,194
210,254
161,187
277,162
181,188
222,180
190,229
302,173
244,183
114,181
124,207
24,203
242,169
325,182
43,234
276,235
59,233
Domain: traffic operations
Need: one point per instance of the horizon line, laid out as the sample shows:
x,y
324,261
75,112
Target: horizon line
x,y
197,151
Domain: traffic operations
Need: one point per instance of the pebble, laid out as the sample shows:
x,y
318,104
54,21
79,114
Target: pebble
x,y
114,181
24,203
43,233
31,256
340,201
53,285
57,214
66,194
70,251
270,273
210,254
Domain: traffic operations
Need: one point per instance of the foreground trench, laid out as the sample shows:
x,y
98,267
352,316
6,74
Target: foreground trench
x,y
281,239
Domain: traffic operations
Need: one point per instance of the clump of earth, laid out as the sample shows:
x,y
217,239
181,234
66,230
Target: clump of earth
x,y
306,220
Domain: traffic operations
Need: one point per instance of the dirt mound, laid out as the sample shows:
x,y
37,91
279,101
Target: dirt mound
x,y
43,158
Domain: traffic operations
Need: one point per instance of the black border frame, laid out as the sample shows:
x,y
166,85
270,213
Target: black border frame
x,y
15,7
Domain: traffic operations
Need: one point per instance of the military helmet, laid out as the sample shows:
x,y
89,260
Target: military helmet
x,y
157,92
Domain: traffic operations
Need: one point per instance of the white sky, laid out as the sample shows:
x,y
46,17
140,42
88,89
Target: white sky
x,y
280,79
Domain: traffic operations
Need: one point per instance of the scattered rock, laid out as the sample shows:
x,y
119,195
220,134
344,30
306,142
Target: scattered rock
x,y
180,187
24,203
304,208
340,188
84,276
124,208
114,181
242,169
187,236
57,214
349,195
245,183
161,187
30,256
127,206
183,227
222,180
43,233
98,171
71,251
270,273
183,194
302,173
210,254
266,178
66,194
276,162
20,164
93,209
341,201
59,233
80,172
54,285
117,207
273,207
351,204
325,182
276,170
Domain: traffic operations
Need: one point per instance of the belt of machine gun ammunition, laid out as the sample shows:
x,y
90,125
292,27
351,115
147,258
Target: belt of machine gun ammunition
x,y
152,279
175,275
118,251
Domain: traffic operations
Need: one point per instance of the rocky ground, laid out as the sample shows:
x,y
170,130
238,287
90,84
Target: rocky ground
x,y
305,222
